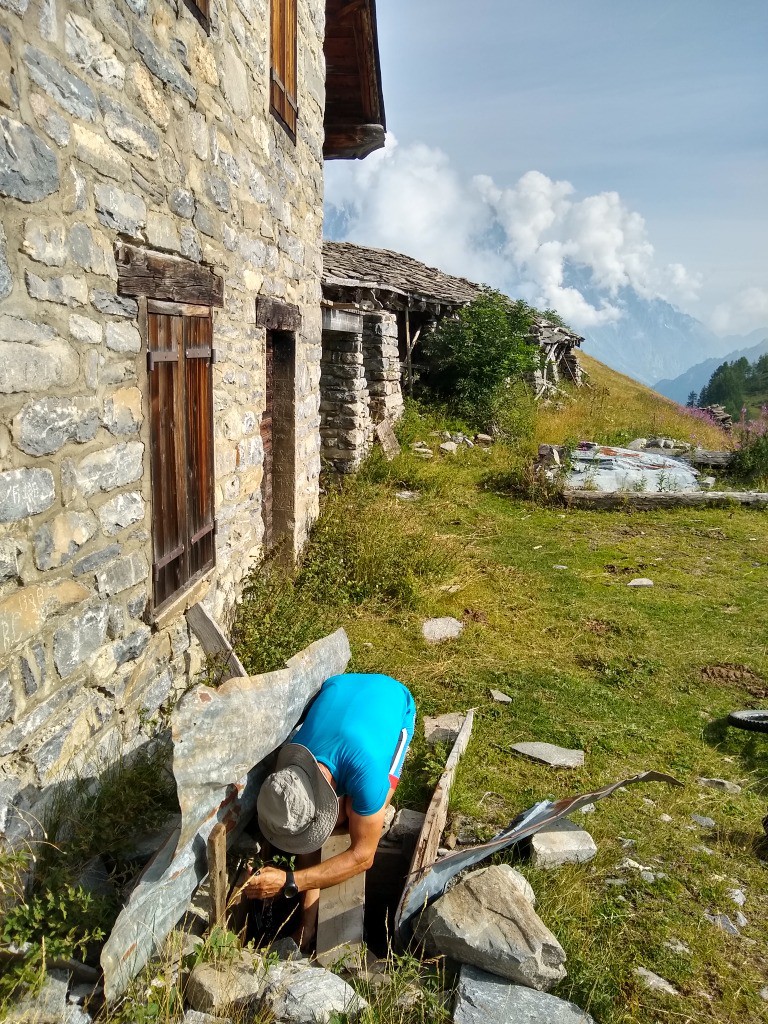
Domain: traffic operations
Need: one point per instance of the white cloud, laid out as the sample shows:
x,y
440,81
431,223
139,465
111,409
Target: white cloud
x,y
747,311
521,239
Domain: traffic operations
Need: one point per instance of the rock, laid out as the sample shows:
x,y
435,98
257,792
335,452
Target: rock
x,y
196,1017
737,896
81,637
102,156
676,946
407,495
522,885
699,819
424,453
561,567
483,998
122,511
724,923
587,809
443,729
122,574
114,305
85,44
435,631
406,826
66,89
214,987
501,698
121,211
449,447
654,983
44,426
286,949
29,170
65,291
638,445
484,439
548,753
296,993
25,492
666,818
58,541
484,920
741,920
109,468
640,582
48,1006
722,784
161,66
764,994
561,843
128,131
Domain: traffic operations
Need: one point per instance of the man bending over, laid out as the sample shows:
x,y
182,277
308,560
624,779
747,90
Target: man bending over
x,y
341,768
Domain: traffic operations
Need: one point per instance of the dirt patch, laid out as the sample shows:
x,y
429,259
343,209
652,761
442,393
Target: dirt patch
x,y
600,627
736,675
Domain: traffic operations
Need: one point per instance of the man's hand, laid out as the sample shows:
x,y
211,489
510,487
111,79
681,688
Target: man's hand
x,y
265,883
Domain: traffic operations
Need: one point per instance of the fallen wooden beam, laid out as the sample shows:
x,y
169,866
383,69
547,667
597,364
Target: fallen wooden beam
x,y
218,880
340,912
214,642
425,853
642,502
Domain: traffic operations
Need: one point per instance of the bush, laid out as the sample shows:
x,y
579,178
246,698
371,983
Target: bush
x,y
750,460
473,356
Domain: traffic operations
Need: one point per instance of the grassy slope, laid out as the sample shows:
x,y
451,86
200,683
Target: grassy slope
x,y
613,407
594,664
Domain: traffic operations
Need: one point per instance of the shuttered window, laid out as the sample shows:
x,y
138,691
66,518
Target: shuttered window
x,y
179,359
201,10
283,77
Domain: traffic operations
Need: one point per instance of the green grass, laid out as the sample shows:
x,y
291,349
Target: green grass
x,y
589,663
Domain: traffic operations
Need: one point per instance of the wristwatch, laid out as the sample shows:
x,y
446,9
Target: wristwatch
x,y
290,889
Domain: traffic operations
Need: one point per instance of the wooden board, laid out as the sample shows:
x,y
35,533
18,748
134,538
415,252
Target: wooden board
x,y
276,315
340,913
213,641
427,844
143,272
218,881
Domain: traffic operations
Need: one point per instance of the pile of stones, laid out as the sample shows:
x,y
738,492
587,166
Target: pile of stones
x,y
450,444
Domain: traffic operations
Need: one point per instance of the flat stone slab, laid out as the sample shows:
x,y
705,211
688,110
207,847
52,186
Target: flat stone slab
x,y
654,982
483,998
299,994
548,753
640,582
722,784
562,843
501,698
406,826
435,631
443,729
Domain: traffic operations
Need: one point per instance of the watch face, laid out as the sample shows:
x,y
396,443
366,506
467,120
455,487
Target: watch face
x,y
290,888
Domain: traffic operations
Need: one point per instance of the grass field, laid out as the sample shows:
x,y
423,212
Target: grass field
x,y
629,675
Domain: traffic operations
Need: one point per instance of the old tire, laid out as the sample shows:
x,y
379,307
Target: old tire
x,y
753,721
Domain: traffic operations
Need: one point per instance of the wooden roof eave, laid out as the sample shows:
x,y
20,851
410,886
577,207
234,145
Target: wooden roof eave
x,y
355,122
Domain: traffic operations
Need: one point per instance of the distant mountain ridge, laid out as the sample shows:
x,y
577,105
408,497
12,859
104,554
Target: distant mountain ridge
x,y
697,377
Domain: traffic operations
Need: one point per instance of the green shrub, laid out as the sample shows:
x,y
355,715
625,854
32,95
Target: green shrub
x,y
750,460
473,356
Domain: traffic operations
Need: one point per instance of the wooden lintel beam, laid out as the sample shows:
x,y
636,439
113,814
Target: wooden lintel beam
x,y
276,315
171,278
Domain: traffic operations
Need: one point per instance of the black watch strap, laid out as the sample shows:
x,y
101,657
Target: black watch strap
x,y
290,889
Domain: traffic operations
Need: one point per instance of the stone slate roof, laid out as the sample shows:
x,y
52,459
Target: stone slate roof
x,y
358,266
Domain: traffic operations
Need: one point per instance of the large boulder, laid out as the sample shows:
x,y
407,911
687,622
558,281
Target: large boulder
x,y
485,999
487,920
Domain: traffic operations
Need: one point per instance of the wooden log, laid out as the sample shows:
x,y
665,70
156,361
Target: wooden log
x,y
642,502
276,315
340,912
717,460
218,880
425,853
142,272
213,641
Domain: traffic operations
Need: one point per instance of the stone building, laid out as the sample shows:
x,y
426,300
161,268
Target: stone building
x,y
161,181
377,305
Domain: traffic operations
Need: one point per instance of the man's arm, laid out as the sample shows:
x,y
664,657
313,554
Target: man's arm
x,y
365,833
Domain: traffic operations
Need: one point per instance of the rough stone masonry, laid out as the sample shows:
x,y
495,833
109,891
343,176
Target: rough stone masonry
x,y
125,121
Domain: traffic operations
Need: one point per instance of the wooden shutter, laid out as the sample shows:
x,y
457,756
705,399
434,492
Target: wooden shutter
x,y
283,76
201,10
179,357
267,440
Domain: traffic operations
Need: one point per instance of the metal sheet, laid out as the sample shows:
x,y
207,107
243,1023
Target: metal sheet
x,y
432,883
606,468
221,740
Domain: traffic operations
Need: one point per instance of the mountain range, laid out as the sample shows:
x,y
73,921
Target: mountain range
x,y
697,377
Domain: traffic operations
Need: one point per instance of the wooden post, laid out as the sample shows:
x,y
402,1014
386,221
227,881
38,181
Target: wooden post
x,y
341,912
218,880
408,351
213,641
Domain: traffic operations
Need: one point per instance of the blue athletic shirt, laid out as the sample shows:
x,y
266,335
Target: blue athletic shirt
x,y
359,726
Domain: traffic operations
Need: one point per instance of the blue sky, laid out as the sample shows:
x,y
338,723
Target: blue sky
x,y
663,102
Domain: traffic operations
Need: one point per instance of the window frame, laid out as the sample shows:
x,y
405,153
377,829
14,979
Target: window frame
x,y
283,64
185,469
195,8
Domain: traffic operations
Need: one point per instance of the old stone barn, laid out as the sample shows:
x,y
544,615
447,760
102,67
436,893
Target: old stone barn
x,y
377,305
161,182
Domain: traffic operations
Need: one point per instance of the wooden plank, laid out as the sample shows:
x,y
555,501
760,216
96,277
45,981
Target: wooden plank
x,y
218,881
276,315
340,912
425,853
170,278
601,500
213,641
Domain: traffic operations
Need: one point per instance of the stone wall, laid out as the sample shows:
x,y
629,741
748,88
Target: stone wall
x,y
125,120
359,387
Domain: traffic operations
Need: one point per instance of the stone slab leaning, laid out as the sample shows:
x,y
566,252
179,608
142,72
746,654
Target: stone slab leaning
x,y
221,737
